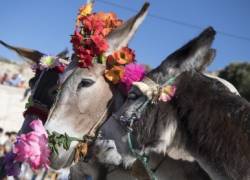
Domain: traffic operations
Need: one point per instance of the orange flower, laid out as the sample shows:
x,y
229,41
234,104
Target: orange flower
x,y
114,74
124,56
111,21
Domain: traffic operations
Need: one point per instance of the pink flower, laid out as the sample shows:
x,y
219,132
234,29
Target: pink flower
x,y
37,126
133,72
33,146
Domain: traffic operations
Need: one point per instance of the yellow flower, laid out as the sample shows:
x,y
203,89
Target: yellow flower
x,y
86,9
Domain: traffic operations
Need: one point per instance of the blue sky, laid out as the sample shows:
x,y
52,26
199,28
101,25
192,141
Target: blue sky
x,y
47,25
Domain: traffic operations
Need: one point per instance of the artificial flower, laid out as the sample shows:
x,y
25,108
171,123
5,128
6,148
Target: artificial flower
x,y
11,167
86,9
47,62
124,56
76,39
133,72
110,20
60,68
114,74
167,93
101,44
93,24
85,58
33,146
38,127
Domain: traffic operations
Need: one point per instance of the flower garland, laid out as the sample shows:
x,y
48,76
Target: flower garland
x,y
90,45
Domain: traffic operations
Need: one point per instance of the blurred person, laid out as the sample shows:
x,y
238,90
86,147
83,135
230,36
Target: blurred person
x,y
4,78
13,135
2,150
8,143
21,84
2,136
15,80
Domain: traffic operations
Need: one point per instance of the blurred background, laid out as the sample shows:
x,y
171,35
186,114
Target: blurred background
x,y
47,25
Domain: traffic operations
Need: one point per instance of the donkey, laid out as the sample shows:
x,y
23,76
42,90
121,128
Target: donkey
x,y
51,86
203,118
81,83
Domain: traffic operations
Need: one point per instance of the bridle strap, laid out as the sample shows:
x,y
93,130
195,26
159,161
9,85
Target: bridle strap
x,y
100,122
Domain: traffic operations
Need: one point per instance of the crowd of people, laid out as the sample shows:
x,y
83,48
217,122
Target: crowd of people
x,y
15,80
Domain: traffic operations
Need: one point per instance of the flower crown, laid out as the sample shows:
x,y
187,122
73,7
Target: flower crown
x,y
90,45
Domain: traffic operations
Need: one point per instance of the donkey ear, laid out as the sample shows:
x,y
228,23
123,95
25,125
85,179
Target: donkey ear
x,y
30,54
195,55
63,54
121,36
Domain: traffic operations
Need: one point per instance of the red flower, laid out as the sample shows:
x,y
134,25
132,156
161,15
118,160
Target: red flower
x,y
60,68
93,24
101,44
85,58
76,38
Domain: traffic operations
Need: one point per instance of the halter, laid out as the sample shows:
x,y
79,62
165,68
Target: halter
x,y
155,94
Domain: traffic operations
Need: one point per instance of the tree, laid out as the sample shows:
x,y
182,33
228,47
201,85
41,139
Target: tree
x,y
239,75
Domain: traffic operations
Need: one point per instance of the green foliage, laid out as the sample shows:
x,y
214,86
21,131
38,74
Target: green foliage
x,y
57,140
239,75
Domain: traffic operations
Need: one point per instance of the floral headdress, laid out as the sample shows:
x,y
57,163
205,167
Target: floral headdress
x,y
90,45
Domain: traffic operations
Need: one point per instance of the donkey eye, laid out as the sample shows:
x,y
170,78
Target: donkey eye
x,y
132,96
85,83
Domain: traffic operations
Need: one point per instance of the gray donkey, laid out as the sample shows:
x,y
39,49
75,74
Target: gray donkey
x,y
203,118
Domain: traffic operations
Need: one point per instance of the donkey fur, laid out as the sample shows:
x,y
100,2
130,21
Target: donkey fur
x,y
211,123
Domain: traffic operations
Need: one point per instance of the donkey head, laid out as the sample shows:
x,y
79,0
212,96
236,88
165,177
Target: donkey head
x,y
85,97
44,83
196,55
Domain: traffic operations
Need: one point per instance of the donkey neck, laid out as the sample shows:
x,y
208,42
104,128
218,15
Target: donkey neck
x,y
214,126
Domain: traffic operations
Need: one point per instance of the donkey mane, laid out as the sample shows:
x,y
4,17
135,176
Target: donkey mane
x,y
207,120
216,125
